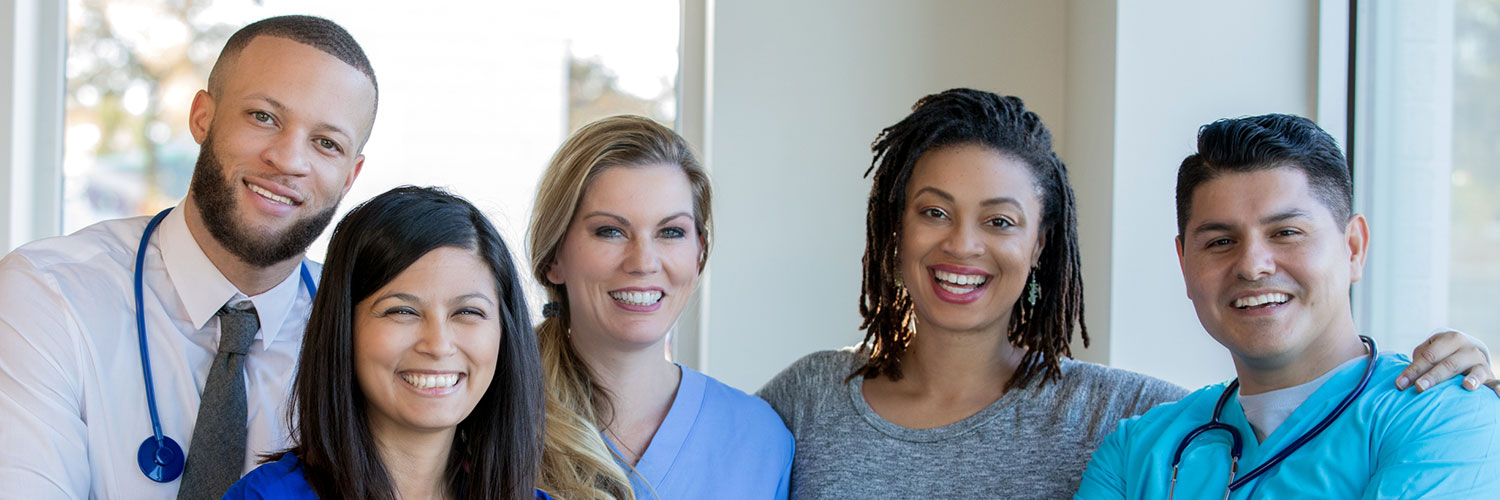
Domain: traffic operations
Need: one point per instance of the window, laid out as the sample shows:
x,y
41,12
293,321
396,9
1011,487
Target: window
x,y
475,100
1426,135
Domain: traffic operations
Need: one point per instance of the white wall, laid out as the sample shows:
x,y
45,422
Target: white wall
x,y
31,90
798,91
1181,64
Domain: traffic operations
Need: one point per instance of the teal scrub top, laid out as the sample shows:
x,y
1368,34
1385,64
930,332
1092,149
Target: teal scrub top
x,y
715,442
1442,443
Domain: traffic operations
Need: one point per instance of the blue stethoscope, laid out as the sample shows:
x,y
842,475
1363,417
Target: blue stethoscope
x,y
1235,445
160,458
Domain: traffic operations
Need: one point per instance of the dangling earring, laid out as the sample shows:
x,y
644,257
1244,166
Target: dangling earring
x,y
1034,289
1028,305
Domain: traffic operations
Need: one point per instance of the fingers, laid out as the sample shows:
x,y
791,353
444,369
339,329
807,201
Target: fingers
x,y
1494,385
1434,351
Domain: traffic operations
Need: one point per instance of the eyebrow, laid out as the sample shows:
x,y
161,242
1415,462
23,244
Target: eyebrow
x,y
626,223
1213,226
320,126
999,200
413,298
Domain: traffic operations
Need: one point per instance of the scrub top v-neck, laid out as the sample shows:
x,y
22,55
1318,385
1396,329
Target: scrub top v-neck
x,y
715,442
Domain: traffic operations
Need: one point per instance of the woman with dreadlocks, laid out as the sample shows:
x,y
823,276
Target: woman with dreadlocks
x,y
971,293
963,386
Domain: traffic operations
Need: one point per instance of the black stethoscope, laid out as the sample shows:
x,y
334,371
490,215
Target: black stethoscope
x,y
1235,445
160,458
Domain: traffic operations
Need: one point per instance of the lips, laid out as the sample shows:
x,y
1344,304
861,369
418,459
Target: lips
x,y
430,381
273,192
1260,300
959,285
636,299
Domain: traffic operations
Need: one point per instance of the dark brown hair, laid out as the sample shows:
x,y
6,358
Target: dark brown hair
x,y
499,445
961,117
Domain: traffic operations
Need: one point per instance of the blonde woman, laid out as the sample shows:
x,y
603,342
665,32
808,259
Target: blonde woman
x,y
619,236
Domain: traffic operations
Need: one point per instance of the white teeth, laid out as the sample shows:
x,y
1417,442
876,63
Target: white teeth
x,y
1261,299
637,298
269,195
424,381
955,290
959,279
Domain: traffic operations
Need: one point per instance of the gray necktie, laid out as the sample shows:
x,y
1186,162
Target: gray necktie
x,y
216,454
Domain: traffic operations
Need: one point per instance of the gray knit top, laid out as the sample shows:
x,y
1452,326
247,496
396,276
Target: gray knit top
x,y
1034,442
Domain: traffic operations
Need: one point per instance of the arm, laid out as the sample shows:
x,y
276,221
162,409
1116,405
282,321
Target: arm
x,y
1103,477
1446,447
1445,354
44,442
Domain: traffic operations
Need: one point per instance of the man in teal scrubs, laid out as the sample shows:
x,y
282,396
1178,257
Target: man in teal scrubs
x,y
1269,248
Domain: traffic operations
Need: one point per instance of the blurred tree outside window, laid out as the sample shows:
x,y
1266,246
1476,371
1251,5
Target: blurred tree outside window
x,y
475,95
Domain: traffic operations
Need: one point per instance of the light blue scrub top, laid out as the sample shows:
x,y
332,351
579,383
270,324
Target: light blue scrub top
x,y
1442,443
716,442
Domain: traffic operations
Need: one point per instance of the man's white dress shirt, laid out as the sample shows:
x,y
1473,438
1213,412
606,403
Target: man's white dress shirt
x,y
72,395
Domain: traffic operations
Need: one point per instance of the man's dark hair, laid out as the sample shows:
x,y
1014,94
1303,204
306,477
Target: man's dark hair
x,y
963,117
317,32
499,445
1253,143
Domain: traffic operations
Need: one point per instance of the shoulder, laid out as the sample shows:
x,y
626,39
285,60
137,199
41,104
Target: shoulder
x,y
1444,403
113,240
748,415
815,375
815,371
1099,381
280,479
1158,419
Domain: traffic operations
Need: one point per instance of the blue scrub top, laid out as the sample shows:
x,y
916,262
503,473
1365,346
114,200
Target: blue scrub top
x,y
1442,443
283,479
716,442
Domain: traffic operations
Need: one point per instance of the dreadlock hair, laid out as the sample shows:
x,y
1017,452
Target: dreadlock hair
x,y
961,117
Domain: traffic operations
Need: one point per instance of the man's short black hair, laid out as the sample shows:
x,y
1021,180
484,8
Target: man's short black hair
x,y
1253,143
316,32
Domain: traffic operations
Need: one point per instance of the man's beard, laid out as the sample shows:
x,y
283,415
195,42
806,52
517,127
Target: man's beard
x,y
215,197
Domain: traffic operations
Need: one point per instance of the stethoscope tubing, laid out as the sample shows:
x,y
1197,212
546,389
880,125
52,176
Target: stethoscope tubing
x,y
161,442
1235,439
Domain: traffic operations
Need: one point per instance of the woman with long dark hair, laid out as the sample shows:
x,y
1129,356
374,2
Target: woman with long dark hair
x,y
419,375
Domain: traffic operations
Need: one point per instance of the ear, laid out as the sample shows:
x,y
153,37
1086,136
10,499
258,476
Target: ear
x,y
1041,244
554,276
359,164
201,115
1181,263
1357,236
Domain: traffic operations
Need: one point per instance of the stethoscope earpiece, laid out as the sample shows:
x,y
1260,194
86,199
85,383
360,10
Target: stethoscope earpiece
x,y
161,461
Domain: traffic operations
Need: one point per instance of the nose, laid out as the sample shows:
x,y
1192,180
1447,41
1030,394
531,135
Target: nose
x,y
962,241
1256,260
642,257
287,153
436,339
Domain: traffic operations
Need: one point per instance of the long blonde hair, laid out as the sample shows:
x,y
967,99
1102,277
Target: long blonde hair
x,y
576,462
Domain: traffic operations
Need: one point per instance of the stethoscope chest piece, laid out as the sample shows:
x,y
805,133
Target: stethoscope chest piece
x,y
160,459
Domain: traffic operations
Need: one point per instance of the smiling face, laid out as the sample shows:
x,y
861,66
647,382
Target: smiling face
x,y
280,148
969,237
1267,266
629,260
426,344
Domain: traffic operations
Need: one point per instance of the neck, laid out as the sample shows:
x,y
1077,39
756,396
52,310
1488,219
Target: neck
x,y
249,280
1292,369
641,381
416,461
942,362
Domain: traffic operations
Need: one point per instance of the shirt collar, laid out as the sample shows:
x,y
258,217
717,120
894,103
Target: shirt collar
x,y
203,289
